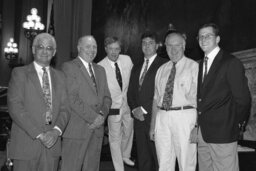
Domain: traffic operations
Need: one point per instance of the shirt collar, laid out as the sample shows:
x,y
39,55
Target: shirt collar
x,y
86,64
39,67
151,59
112,63
213,53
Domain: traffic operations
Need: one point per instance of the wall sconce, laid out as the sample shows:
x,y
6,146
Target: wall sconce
x,y
11,54
33,25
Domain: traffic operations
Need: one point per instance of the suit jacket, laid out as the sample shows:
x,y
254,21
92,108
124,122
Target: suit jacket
x,y
119,97
223,99
27,109
144,97
84,101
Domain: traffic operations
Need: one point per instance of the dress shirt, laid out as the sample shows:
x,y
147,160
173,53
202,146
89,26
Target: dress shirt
x,y
118,96
185,82
39,72
86,64
150,61
211,56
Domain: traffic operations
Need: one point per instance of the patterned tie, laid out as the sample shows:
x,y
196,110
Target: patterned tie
x,y
119,76
205,66
47,96
92,76
144,73
168,94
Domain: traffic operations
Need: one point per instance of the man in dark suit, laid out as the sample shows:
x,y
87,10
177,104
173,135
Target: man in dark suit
x,y
38,107
89,100
140,98
223,103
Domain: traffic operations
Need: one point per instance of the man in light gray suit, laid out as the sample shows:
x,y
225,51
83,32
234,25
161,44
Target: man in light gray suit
x,y
89,101
38,107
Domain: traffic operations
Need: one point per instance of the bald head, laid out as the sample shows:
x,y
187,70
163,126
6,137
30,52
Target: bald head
x,y
87,48
175,46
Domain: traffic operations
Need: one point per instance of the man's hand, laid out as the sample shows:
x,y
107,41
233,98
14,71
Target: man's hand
x,y
99,121
194,135
138,113
152,133
49,138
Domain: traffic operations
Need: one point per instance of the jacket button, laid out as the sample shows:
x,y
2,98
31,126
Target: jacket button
x,y
200,100
199,113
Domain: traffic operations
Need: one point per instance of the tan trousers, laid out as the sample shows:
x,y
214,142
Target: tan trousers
x,y
217,157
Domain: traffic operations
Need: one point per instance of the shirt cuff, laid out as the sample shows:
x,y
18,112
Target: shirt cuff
x,y
56,127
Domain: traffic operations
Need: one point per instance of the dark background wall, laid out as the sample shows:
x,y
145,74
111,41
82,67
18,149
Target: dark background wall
x,y
128,19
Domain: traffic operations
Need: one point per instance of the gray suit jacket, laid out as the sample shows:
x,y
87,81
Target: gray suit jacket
x,y
85,103
27,108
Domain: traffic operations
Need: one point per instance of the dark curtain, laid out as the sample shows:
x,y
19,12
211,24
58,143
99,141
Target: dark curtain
x,y
72,19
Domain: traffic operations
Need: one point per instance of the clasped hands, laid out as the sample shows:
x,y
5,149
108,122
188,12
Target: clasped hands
x,y
49,138
139,113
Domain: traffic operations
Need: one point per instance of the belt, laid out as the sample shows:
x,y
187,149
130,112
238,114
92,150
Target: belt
x,y
176,108
114,111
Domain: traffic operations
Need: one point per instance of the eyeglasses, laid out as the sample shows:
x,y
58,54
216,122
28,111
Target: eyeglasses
x,y
205,37
48,48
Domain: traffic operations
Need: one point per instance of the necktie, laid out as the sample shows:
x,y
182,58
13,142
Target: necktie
x,y
92,76
47,96
144,73
118,76
205,66
168,94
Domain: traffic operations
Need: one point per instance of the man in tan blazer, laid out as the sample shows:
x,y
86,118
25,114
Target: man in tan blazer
x,y
89,100
38,121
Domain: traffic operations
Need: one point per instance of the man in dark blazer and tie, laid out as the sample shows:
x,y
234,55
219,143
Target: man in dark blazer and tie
x,y
140,98
37,104
223,103
89,101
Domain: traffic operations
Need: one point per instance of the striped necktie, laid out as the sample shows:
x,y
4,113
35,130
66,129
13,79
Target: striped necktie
x,y
144,73
205,67
92,76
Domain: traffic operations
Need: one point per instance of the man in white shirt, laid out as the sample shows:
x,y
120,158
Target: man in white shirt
x,y
120,123
174,107
37,103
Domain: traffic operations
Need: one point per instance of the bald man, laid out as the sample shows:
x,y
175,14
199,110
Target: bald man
x,y
174,107
89,102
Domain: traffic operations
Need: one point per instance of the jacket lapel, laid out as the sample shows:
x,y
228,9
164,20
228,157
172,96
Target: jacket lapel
x,y
210,77
54,88
32,74
85,73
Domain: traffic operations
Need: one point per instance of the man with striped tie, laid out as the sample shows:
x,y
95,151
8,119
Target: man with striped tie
x,y
140,98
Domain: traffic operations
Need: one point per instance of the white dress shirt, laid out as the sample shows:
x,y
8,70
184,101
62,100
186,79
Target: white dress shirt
x,y
151,59
185,82
211,56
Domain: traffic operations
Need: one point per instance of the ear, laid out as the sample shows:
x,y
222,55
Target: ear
x,y
33,50
217,39
54,52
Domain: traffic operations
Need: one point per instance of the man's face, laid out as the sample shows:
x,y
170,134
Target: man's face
x,y
113,51
175,47
149,47
207,39
43,51
87,49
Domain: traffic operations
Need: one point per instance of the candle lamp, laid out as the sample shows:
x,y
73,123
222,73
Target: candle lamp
x,y
33,25
11,54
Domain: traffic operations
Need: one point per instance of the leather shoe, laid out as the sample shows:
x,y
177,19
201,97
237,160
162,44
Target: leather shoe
x,y
128,162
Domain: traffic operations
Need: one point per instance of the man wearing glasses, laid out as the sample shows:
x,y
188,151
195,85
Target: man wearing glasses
x,y
223,103
38,108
